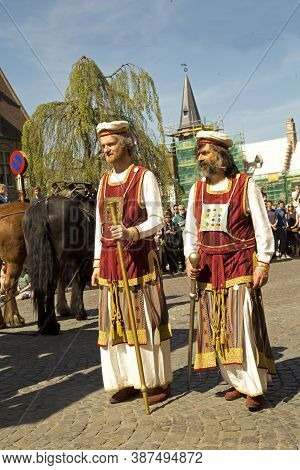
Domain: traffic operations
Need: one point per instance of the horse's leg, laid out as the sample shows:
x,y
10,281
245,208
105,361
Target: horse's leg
x,y
77,307
2,324
12,318
62,307
51,325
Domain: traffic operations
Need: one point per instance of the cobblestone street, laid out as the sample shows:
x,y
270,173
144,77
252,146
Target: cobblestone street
x,y
52,395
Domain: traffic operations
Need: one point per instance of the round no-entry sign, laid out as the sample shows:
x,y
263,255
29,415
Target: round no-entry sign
x,y
17,162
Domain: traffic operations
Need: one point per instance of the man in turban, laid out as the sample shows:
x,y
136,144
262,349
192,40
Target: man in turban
x,y
139,210
227,225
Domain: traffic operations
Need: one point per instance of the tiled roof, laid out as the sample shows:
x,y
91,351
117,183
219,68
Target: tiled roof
x,y
12,113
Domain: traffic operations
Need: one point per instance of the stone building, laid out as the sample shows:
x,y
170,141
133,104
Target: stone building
x,y
12,118
275,164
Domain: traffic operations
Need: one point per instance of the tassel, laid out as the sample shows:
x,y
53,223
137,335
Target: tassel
x,y
117,327
120,331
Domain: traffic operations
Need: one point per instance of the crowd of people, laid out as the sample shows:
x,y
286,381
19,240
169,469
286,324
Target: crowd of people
x,y
169,240
285,223
284,220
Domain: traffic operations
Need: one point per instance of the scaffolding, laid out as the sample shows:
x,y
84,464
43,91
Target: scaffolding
x,y
278,186
203,125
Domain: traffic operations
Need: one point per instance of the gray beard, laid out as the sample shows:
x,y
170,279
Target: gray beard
x,y
209,170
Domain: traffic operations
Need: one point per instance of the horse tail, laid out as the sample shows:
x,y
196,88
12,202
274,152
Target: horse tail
x,y
41,257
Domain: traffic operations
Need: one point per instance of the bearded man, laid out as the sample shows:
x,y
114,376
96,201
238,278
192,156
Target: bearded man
x,y
227,225
140,216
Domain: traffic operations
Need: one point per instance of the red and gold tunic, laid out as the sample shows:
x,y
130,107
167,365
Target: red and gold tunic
x,y
226,258
226,264
138,256
141,262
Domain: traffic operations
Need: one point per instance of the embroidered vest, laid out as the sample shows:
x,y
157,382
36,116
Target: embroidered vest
x,y
139,257
226,257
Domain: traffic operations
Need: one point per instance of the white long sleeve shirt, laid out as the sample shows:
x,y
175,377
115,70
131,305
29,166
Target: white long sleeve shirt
x,y
152,201
256,206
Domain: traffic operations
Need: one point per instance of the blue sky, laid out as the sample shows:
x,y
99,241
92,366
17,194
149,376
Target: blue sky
x,y
221,42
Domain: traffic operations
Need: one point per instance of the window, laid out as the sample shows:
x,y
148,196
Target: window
x,y
5,173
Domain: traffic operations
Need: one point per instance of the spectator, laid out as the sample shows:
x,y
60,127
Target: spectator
x,y
24,287
273,223
281,224
171,239
263,192
161,251
296,196
175,210
3,194
296,230
292,229
180,220
180,217
38,196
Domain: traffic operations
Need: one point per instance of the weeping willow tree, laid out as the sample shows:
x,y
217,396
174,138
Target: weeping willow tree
x,y
60,138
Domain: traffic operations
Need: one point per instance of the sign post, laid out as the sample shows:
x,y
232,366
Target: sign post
x,y
18,166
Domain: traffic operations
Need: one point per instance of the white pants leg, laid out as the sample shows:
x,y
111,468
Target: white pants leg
x,y
119,364
247,378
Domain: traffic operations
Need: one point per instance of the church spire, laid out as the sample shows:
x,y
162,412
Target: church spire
x,y
189,112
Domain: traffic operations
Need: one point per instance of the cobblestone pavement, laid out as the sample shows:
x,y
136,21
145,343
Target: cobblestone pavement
x,y
52,395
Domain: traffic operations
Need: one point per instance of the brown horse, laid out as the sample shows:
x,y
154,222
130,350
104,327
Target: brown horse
x,y
13,253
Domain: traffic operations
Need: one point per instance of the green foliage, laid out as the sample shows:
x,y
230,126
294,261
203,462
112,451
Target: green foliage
x,y
60,138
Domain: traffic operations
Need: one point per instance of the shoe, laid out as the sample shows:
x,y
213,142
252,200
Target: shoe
x,y
288,257
232,394
277,254
124,394
254,403
159,394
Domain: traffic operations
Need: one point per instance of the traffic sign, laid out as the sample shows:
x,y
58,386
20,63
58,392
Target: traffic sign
x,y
17,162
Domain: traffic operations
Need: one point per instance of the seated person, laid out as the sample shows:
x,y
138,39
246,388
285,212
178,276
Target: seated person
x,y
24,287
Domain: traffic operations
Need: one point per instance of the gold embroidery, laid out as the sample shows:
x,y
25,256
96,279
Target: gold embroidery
x,y
149,277
239,280
132,282
142,337
229,283
119,183
102,338
208,360
140,203
232,355
125,337
246,212
210,191
195,192
246,392
205,360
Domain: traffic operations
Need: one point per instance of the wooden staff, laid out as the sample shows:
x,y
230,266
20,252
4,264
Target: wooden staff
x,y
113,207
194,260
